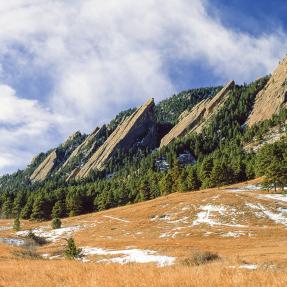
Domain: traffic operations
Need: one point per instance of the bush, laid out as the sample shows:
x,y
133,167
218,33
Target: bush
x,y
71,251
200,257
56,223
37,239
16,224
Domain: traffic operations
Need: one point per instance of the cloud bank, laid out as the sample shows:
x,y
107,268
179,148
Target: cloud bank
x,y
98,57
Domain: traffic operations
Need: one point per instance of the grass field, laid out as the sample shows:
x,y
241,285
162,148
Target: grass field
x,y
244,226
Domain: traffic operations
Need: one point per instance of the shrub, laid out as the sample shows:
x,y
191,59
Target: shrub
x,y
16,224
71,251
37,239
200,257
56,223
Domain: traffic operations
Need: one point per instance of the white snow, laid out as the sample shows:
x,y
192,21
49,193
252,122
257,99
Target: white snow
x,y
116,218
245,266
3,228
276,217
169,234
54,234
12,241
234,234
277,197
248,266
206,216
245,188
130,256
252,206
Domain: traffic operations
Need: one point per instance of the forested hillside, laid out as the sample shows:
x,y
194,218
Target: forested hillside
x,y
214,157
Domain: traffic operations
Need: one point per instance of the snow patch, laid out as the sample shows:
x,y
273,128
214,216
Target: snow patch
x,y
277,197
206,216
3,228
234,234
13,241
245,188
55,234
278,218
130,256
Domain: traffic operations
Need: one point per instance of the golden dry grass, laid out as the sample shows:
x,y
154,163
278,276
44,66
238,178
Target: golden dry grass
x,y
264,242
74,274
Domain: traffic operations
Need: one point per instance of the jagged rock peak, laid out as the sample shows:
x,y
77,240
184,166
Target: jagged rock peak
x,y
43,170
196,119
140,126
72,137
272,97
85,144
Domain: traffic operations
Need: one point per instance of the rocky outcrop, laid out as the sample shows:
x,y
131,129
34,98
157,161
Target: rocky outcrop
x,y
198,117
83,147
273,97
44,169
139,128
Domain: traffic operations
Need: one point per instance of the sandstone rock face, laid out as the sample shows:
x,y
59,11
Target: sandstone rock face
x,y
139,128
198,117
273,97
43,170
82,147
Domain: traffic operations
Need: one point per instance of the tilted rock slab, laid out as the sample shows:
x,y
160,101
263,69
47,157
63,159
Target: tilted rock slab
x,y
273,96
43,170
140,125
198,117
82,147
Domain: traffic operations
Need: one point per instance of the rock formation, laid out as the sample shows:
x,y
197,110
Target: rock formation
x,y
198,117
44,169
139,128
83,147
273,96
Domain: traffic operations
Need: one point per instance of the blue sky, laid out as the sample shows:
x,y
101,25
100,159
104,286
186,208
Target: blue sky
x,y
72,65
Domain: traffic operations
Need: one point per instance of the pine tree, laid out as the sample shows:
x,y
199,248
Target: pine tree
x,y
58,210
71,251
17,225
38,211
193,182
56,223
205,172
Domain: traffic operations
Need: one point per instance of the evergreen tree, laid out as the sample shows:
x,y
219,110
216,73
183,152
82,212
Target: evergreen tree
x,y
38,210
193,182
59,209
17,225
56,223
71,251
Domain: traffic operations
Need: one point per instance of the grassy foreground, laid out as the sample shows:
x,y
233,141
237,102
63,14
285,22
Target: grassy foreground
x,y
44,273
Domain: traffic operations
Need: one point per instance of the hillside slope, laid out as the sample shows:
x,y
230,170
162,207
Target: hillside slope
x,y
241,217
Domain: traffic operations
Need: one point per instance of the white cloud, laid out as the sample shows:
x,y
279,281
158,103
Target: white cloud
x,y
103,56
24,126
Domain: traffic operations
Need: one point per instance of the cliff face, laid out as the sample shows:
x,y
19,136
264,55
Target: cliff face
x,y
272,97
83,147
53,161
139,128
43,170
198,117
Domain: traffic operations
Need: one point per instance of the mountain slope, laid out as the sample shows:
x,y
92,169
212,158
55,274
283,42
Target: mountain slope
x,y
219,220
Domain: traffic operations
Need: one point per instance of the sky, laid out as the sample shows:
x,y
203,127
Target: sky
x,y
68,65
